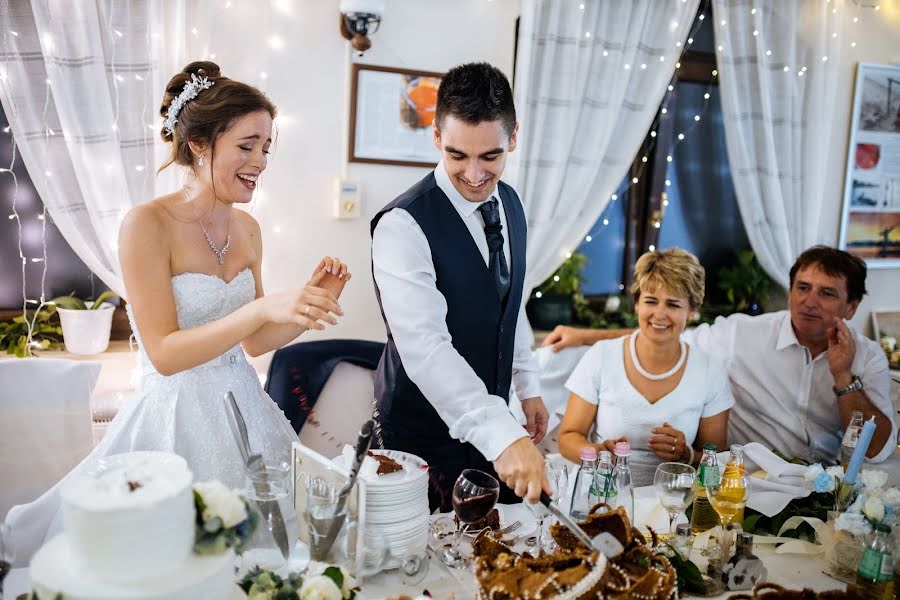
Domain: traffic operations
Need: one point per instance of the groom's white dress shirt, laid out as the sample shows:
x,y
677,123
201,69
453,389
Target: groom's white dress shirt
x,y
416,313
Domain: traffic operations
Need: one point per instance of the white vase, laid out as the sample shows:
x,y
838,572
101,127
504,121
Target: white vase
x,y
87,331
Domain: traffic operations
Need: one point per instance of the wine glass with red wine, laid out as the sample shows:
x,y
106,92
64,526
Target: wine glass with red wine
x,y
474,496
6,553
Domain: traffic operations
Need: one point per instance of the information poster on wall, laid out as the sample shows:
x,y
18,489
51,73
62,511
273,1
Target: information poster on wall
x,y
391,116
870,227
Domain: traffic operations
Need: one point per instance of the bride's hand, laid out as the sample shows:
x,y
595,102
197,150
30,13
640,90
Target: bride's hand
x,y
304,307
330,274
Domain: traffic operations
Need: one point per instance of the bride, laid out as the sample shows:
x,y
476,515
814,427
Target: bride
x,y
191,266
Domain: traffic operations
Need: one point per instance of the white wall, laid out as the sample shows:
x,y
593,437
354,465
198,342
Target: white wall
x,y
877,36
309,81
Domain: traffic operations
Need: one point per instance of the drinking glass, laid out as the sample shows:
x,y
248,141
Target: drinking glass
x,y
557,476
674,484
268,490
6,553
474,495
727,495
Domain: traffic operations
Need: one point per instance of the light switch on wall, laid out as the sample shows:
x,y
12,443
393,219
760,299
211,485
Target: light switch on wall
x,y
347,200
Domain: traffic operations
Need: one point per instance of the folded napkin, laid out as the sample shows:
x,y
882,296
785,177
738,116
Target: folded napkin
x,y
783,482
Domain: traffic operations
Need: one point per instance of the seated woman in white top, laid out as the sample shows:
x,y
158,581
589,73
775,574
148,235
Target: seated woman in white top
x,y
666,399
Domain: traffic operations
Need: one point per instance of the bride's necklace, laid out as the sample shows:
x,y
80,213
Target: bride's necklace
x,y
644,373
220,254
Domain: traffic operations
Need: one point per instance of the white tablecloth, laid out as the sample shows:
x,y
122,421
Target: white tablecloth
x,y
789,570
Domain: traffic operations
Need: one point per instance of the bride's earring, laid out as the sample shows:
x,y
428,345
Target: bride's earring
x,y
201,161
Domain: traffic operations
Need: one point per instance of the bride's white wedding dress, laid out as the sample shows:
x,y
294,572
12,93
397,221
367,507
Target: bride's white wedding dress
x,y
183,413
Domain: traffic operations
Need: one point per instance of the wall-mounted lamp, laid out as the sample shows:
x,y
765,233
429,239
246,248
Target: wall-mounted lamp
x,y
359,20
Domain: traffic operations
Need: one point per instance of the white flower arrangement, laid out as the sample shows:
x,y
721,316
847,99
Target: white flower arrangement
x,y
320,582
224,519
873,503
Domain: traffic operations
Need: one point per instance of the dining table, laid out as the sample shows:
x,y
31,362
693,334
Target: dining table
x,y
795,571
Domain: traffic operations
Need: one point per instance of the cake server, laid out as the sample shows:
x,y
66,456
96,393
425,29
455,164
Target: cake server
x,y
604,543
362,447
255,464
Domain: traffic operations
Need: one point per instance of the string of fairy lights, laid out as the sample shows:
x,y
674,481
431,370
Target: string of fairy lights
x,y
855,21
276,43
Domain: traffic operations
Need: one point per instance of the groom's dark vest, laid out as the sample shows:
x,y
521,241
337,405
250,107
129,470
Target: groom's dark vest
x,y
482,328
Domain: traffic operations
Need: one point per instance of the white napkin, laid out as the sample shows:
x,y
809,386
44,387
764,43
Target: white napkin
x,y
783,482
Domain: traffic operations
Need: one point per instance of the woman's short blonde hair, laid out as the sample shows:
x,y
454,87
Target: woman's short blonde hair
x,y
674,270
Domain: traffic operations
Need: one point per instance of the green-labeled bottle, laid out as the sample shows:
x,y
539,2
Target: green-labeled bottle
x,y
874,575
703,517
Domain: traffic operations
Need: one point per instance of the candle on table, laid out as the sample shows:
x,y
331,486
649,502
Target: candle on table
x,y
859,453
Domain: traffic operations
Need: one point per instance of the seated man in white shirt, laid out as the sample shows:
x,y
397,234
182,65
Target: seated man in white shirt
x,y
797,375
448,258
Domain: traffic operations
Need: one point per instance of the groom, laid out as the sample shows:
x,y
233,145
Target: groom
x,y
448,258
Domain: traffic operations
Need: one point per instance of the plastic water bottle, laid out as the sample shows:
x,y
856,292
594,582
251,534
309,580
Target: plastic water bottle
x,y
848,444
622,480
606,485
584,495
703,517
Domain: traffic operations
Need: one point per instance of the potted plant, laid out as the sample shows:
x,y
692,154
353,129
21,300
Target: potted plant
x,y
85,325
553,302
746,285
45,334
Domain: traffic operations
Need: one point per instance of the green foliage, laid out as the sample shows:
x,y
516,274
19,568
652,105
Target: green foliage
x,y
567,279
815,505
46,334
690,580
72,302
745,281
259,583
621,318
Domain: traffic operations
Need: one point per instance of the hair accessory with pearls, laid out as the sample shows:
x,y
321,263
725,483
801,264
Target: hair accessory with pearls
x,y
192,87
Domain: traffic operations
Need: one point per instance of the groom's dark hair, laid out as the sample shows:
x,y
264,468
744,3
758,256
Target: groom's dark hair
x,y
475,93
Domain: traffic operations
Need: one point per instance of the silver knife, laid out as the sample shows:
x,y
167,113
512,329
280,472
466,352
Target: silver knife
x,y
362,447
604,543
255,464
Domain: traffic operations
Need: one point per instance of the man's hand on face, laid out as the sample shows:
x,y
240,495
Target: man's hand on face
x,y
521,468
537,418
841,350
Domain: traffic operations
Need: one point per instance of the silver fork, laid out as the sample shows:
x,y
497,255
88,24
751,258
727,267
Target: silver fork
x,y
509,528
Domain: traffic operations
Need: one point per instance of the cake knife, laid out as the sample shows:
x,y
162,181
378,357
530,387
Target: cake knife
x,y
254,463
604,543
362,447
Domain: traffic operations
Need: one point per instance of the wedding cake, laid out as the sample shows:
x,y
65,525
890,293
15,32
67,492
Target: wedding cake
x,y
128,534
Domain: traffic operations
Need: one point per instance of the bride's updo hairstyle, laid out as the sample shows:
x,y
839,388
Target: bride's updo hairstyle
x,y
211,113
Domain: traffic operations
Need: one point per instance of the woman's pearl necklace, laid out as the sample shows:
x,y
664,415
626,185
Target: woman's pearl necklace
x,y
647,374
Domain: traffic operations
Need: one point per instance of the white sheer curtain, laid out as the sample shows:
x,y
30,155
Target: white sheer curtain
x,y
81,84
778,72
589,80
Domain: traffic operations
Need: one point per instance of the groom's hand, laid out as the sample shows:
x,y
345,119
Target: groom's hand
x,y
521,468
330,274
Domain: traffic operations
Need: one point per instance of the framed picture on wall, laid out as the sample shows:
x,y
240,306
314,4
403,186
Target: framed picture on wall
x,y
391,112
870,225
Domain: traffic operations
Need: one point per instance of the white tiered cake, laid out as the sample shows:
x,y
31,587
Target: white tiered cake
x,y
128,535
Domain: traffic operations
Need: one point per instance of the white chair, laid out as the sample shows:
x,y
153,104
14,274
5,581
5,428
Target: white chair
x,y
45,424
345,403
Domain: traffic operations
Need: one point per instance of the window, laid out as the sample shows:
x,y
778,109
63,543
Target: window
x,y
692,197
65,271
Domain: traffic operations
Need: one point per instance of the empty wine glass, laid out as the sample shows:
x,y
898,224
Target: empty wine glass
x,y
557,476
6,553
674,484
474,496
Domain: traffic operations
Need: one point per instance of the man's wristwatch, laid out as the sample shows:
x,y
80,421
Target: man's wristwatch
x,y
856,385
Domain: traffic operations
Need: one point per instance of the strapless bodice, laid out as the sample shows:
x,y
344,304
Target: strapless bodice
x,y
201,298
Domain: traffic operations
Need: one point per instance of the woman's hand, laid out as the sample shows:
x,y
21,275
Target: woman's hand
x,y
330,274
304,307
668,443
610,445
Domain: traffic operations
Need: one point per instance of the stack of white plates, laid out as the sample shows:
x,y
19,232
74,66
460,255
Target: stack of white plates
x,y
397,507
